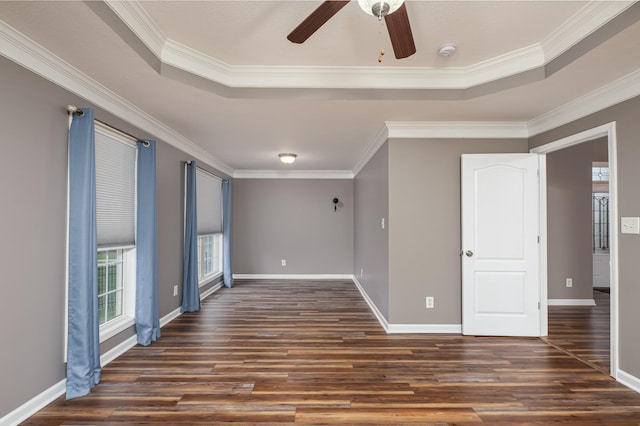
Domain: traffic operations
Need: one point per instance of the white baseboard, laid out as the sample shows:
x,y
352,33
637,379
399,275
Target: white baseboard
x,y
630,381
292,276
406,328
210,291
425,328
118,350
41,400
381,319
571,302
35,404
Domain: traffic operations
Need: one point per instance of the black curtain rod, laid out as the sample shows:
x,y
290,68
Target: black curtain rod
x,y
72,109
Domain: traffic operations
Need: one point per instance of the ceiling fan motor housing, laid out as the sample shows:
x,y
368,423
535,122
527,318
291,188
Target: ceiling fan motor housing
x,y
380,9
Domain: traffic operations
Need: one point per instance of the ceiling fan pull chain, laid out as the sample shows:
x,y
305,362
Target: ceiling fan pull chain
x,y
380,40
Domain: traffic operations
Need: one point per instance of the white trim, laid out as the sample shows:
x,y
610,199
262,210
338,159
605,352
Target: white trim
x,y
170,317
376,143
457,129
118,350
607,130
33,405
292,276
405,328
613,245
604,130
583,23
211,278
29,54
195,62
606,96
46,397
571,302
425,328
579,26
138,20
376,312
542,255
629,380
115,327
293,174
211,290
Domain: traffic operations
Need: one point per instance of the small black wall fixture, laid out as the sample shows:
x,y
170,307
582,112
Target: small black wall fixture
x,y
335,204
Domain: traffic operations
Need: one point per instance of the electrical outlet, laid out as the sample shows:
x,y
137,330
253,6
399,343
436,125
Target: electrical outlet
x,y
382,223
175,290
361,272
284,262
429,302
569,282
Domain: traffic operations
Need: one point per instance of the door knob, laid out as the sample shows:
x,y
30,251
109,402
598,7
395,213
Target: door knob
x,y
469,253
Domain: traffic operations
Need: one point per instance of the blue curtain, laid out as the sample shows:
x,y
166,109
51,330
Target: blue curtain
x,y
190,289
147,316
83,338
227,272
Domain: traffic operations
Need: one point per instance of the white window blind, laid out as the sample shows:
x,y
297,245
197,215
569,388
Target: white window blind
x,y
209,195
115,188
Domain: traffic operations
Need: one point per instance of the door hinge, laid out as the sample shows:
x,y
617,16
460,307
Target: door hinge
x,y
538,239
538,305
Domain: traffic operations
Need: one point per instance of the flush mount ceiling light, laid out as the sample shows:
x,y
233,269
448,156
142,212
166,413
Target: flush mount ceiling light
x,y
378,8
287,157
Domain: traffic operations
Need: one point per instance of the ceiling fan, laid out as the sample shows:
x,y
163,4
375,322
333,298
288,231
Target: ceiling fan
x,y
393,11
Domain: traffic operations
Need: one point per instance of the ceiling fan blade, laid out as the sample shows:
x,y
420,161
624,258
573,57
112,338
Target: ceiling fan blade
x,y
318,17
400,33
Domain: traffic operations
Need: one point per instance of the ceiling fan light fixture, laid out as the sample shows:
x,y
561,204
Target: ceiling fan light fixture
x,y
287,157
379,8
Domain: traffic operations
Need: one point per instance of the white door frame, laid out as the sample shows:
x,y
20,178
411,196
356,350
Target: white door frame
x,y
609,131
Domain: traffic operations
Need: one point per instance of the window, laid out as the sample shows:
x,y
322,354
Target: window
x,y
115,219
600,207
209,256
209,196
110,285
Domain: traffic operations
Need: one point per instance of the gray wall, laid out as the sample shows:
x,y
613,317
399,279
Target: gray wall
x,y
371,242
626,116
292,219
33,180
569,253
424,225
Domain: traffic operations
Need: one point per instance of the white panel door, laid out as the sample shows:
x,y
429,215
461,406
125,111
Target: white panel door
x,y
500,245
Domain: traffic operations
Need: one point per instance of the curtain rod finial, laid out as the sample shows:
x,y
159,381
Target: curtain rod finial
x,y
72,109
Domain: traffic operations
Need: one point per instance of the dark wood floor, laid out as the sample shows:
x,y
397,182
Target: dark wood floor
x,y
311,352
583,331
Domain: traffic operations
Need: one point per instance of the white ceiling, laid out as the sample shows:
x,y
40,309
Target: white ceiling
x,y
223,75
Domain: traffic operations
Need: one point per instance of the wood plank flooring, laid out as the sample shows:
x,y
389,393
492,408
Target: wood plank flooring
x,y
583,331
312,352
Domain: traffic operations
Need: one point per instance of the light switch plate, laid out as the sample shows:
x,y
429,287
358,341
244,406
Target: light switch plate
x,y
630,225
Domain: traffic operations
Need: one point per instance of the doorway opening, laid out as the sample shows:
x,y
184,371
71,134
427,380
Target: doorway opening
x,y
607,132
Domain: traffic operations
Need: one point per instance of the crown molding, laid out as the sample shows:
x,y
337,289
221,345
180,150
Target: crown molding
x,y
456,129
606,96
287,77
138,20
171,52
293,174
24,51
587,20
381,137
